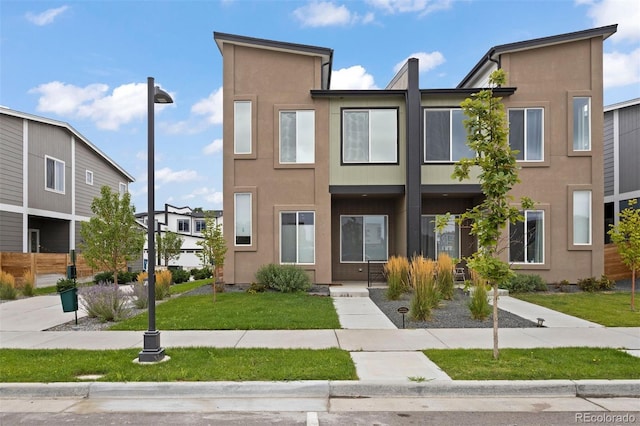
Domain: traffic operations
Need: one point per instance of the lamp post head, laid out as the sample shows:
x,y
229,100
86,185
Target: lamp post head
x,y
161,97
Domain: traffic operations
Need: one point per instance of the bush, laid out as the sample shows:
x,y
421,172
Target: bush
x,y
7,286
103,277
104,301
28,283
479,303
397,273
163,284
124,277
592,284
425,289
256,288
180,275
521,283
65,284
201,274
283,278
444,276
140,295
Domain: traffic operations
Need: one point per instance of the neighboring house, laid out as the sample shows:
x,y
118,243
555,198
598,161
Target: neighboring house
x,y
49,176
330,179
621,159
186,222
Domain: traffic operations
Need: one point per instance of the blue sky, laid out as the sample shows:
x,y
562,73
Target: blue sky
x,y
86,63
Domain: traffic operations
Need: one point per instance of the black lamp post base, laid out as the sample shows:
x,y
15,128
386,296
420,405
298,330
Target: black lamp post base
x,y
151,350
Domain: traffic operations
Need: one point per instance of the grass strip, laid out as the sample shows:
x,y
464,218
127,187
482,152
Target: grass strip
x,y
186,364
188,286
537,364
240,311
608,309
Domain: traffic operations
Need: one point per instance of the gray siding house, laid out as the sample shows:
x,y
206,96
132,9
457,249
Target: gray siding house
x,y
621,158
49,175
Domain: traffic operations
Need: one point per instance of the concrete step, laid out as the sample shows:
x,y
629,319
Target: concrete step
x,y
348,291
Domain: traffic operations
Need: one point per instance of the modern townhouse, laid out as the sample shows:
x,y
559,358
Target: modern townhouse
x,y
333,179
49,176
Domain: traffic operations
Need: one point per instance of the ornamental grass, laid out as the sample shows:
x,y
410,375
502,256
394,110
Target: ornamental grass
x,y
425,290
445,275
479,303
7,286
397,273
28,283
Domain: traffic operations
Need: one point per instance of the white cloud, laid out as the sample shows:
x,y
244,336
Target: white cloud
x,y
323,14
65,99
46,17
213,148
166,175
621,69
209,107
625,13
355,77
208,194
426,61
424,7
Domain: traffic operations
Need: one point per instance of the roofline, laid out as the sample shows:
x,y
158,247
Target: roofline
x,y
355,93
468,91
37,118
620,105
324,52
605,32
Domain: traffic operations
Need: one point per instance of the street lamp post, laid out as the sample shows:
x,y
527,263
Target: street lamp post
x,y
151,351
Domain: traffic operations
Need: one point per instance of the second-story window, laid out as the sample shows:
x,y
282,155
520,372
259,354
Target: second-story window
x,y
200,225
370,136
183,225
297,136
242,127
89,177
445,138
54,174
526,133
581,124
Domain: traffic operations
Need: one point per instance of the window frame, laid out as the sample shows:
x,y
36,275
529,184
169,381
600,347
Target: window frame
x,y
435,216
312,136
450,110
180,224
346,110
122,188
297,225
525,144
543,233
56,176
199,223
589,145
364,232
247,121
88,177
235,219
574,222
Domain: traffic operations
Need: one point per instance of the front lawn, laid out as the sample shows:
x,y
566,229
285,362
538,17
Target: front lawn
x,y
608,309
186,364
537,364
240,311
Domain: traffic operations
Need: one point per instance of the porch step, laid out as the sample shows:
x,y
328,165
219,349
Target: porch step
x,y
348,291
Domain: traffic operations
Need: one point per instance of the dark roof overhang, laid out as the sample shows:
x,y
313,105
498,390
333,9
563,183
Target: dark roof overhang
x,y
356,93
468,91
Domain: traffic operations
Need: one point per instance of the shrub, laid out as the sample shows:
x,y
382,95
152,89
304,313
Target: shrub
x,y
28,283
425,289
65,284
201,274
479,303
397,273
104,301
124,277
163,284
284,278
445,276
521,283
140,295
180,276
103,277
7,286
561,285
592,284
256,288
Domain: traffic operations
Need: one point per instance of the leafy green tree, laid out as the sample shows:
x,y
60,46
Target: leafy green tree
x,y
626,236
214,249
487,136
111,237
168,247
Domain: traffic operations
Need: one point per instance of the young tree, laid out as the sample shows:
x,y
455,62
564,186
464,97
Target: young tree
x,y
626,236
169,246
214,249
487,137
111,238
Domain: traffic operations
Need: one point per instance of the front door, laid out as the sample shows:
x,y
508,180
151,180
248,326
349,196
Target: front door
x,y
34,241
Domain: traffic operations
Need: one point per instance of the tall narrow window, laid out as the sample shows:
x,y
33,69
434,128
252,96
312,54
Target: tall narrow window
x,y
370,136
89,177
434,241
445,135
242,219
525,133
582,217
122,188
297,136
582,124
363,238
297,237
242,127
526,238
54,174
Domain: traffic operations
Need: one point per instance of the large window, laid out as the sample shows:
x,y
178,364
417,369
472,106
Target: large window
x,y
581,124
242,127
363,238
183,225
370,136
581,217
445,240
297,237
54,174
200,225
526,133
297,136
445,135
526,238
242,219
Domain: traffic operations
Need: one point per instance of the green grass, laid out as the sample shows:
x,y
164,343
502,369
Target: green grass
x,y
43,291
188,286
608,309
186,364
537,364
240,311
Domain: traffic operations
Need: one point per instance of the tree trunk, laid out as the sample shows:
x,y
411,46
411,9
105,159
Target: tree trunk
x,y
215,281
633,289
115,277
496,352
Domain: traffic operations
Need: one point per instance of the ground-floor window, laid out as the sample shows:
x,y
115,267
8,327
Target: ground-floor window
x,y
297,237
526,238
364,238
435,241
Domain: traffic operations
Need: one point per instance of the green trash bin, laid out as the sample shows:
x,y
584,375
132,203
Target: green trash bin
x,y
69,299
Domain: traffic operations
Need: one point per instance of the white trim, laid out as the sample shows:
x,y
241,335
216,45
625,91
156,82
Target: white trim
x,y
297,212
25,184
29,248
621,105
88,181
72,225
55,181
12,208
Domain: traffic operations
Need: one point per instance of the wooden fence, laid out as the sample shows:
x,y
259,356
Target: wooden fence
x,y
17,264
613,267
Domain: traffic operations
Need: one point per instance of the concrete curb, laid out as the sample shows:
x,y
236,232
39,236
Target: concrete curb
x,y
325,389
